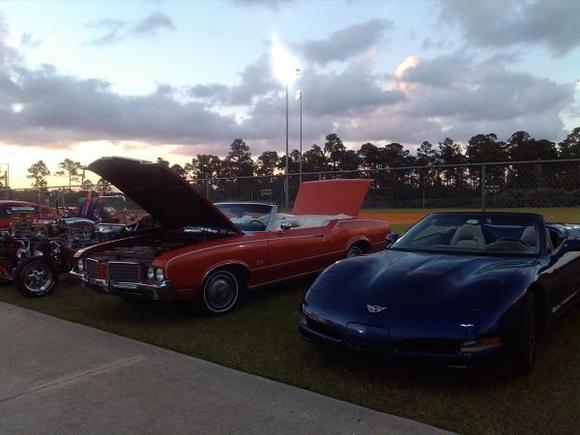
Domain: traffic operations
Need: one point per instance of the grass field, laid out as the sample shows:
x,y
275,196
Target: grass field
x,y
261,337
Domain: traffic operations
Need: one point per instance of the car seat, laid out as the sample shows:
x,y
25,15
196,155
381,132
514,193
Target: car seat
x,y
468,236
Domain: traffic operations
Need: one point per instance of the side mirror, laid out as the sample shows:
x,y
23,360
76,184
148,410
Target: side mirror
x,y
285,226
390,239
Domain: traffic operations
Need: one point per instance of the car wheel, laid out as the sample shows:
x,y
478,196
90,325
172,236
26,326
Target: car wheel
x,y
524,352
220,291
35,276
354,251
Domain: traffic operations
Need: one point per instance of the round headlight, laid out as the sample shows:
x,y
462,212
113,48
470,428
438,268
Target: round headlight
x,y
151,273
159,274
81,265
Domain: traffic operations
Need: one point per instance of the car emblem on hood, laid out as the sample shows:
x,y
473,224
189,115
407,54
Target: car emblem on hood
x,y
375,308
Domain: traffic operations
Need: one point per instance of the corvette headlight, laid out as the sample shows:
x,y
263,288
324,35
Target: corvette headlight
x,y
150,273
159,276
81,265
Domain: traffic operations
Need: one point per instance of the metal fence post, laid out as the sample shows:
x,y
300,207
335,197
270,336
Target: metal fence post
x,y
483,183
207,189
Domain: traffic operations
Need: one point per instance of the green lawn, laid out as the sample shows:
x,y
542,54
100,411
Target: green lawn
x,y
261,337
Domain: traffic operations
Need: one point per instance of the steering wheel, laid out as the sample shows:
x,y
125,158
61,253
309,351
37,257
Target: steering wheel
x,y
258,221
513,239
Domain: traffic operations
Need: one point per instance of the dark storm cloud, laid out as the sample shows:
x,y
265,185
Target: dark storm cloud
x,y
345,43
503,23
111,31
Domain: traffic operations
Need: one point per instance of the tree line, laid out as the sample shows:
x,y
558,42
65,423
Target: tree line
x,y
334,156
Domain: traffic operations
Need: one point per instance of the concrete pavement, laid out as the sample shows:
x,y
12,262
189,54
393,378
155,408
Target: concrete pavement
x,y
58,377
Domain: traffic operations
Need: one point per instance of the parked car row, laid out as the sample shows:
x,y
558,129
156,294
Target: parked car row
x,y
459,289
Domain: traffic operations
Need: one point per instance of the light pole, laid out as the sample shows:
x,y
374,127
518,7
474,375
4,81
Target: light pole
x,y
299,95
286,175
284,65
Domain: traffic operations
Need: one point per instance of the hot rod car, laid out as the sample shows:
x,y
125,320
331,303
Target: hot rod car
x,y
35,249
460,289
39,211
200,251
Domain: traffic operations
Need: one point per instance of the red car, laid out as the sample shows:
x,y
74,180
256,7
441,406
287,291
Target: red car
x,y
211,253
6,207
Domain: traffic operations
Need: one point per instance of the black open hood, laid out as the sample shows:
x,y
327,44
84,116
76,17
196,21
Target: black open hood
x,y
169,199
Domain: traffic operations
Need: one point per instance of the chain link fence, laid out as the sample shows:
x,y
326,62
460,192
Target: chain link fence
x,y
404,195
400,195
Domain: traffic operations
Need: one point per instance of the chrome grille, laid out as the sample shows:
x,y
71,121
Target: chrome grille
x,y
92,268
123,272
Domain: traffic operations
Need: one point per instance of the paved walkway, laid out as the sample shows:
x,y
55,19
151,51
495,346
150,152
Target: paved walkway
x,y
58,377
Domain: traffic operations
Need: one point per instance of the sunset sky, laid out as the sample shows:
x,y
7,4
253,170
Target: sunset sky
x,y
176,78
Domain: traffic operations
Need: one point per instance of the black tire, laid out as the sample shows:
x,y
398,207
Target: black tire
x,y
525,339
35,277
220,292
354,251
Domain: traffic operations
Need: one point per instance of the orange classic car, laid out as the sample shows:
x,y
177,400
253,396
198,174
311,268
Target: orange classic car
x,y
208,252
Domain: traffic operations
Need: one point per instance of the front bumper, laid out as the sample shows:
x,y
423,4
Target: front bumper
x,y
396,350
153,292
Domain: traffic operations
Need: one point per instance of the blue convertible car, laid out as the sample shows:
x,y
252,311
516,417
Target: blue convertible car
x,y
458,289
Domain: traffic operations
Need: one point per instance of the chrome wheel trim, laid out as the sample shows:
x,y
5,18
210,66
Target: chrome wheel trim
x,y
37,277
221,291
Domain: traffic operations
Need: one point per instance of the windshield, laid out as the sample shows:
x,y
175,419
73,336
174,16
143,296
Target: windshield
x,y
474,233
248,217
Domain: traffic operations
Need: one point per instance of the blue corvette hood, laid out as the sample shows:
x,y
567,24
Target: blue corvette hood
x,y
423,283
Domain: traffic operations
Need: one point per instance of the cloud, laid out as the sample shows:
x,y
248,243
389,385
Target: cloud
x,y
256,80
452,95
151,24
30,40
501,23
258,3
8,55
61,109
483,95
345,43
112,31
353,92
